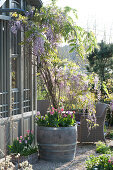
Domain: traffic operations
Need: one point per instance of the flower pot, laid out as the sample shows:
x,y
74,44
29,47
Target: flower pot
x,y
57,144
15,159
32,159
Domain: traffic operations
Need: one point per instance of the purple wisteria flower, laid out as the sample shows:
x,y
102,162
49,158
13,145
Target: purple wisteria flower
x,y
96,81
14,29
38,46
29,13
18,24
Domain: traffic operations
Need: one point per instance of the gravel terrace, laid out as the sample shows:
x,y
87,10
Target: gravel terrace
x,y
82,153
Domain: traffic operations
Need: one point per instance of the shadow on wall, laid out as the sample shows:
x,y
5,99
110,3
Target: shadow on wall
x,y
42,106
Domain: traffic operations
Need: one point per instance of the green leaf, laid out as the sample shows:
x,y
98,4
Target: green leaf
x,y
72,49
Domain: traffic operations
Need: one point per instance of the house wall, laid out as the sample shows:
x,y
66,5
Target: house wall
x,y
17,74
11,128
18,87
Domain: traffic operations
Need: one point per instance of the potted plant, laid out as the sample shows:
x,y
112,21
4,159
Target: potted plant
x,y
56,135
22,148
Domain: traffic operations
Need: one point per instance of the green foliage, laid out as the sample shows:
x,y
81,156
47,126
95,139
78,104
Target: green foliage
x,y
105,128
16,147
102,162
28,151
44,31
108,88
62,26
56,118
101,62
103,148
22,145
109,135
41,89
108,98
109,117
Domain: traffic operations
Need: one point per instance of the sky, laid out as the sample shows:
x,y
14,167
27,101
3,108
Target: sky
x,y
95,15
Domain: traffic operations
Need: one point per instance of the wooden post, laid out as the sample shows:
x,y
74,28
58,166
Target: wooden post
x,y
32,92
21,82
9,77
35,127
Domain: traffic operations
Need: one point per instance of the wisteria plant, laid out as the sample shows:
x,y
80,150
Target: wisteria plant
x,y
44,31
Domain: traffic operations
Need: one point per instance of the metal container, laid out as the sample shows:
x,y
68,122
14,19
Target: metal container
x,y
57,144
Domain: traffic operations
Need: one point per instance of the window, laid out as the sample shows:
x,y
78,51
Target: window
x,y
3,68
16,4
14,72
26,103
15,48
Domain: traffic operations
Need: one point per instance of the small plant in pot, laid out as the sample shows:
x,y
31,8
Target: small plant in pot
x,y
22,148
56,135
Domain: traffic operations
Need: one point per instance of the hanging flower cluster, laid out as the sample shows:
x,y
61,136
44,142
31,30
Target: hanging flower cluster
x,y
44,30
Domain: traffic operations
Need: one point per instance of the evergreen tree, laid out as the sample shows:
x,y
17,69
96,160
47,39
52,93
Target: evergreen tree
x,y
101,61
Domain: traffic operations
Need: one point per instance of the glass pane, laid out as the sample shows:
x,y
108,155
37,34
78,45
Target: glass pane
x,y
14,43
14,72
16,4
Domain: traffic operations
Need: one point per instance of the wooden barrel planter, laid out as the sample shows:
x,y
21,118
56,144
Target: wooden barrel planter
x,y
57,144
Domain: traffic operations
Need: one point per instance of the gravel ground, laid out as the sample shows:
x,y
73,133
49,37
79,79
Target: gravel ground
x,y
82,153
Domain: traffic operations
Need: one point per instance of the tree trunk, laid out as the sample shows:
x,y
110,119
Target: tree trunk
x,y
47,78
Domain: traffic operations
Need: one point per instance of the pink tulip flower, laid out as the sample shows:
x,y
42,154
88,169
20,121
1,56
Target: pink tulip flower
x,y
62,110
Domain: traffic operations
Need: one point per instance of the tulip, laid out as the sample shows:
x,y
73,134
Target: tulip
x,y
20,141
28,131
109,161
62,110
38,113
51,113
64,115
